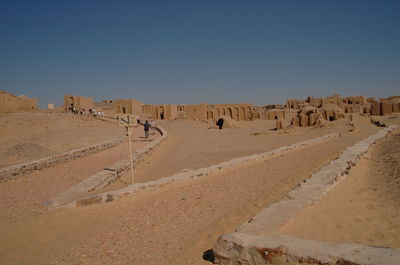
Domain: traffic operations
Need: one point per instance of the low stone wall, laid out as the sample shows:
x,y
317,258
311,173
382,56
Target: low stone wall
x,y
256,241
185,175
239,248
16,170
106,176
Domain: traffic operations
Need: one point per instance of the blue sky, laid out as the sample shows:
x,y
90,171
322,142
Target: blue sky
x,y
176,52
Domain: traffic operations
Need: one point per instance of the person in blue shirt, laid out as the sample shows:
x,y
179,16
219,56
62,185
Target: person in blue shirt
x,y
146,129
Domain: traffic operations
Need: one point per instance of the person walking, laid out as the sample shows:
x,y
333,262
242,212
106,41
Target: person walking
x,y
146,129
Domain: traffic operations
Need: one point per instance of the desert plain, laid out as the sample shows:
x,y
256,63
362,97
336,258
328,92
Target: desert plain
x,y
176,223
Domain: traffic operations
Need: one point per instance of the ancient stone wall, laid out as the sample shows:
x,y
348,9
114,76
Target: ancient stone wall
x,y
238,112
197,111
11,103
295,104
78,102
353,104
161,112
128,106
390,105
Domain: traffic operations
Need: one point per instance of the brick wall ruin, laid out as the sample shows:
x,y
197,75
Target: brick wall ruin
x,y
78,102
128,106
11,103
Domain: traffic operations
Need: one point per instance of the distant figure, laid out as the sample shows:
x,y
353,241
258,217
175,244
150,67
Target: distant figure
x,y
138,120
220,123
146,129
351,124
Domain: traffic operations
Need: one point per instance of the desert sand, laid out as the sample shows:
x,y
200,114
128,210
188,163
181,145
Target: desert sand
x,y
175,224
362,209
30,136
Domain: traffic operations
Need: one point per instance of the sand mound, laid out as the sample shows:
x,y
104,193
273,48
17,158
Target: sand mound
x,y
25,151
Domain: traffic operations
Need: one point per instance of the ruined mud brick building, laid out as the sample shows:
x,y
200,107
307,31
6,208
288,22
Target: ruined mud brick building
x,y
348,104
78,102
329,108
202,111
383,106
11,103
314,111
161,112
311,110
127,106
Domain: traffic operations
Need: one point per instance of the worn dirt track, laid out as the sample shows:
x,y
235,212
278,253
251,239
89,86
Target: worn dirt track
x,y
170,226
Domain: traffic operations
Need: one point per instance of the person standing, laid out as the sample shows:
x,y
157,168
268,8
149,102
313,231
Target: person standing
x,y
146,129
220,123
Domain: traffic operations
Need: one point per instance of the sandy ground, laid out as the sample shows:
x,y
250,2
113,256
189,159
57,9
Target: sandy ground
x,y
175,224
364,208
24,195
30,136
192,145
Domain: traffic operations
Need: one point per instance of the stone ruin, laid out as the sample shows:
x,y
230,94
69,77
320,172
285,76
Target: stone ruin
x,y
78,103
356,104
12,103
313,116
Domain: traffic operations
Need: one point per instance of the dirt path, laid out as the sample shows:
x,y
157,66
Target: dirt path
x,y
191,146
24,195
170,226
364,208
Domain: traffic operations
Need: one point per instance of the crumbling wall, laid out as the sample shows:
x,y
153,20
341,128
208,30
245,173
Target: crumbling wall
x,y
78,102
128,106
11,103
197,111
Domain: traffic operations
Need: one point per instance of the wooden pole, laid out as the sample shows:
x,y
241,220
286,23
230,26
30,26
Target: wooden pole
x,y
130,152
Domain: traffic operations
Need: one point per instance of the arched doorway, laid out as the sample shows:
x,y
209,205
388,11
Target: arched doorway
x,y
242,115
235,113
247,113
229,112
162,113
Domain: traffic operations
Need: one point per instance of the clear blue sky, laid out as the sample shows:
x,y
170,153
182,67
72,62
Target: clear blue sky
x,y
193,51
